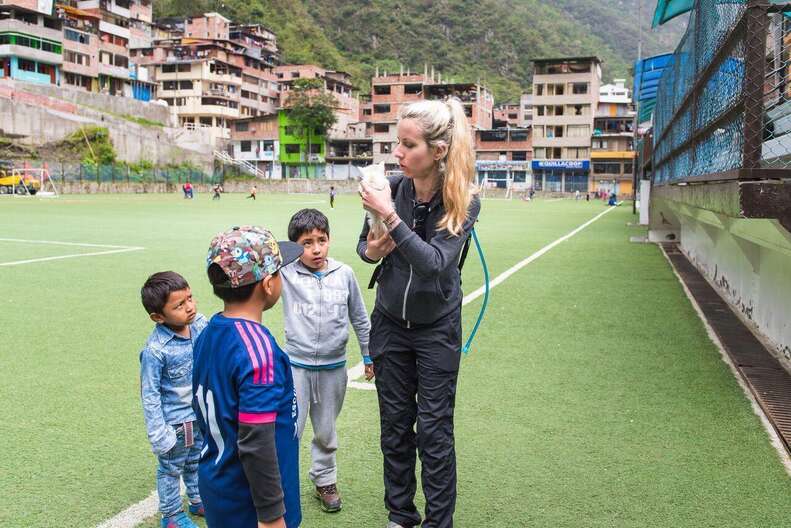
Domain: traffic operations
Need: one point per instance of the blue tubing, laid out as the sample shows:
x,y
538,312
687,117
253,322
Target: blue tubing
x,y
468,344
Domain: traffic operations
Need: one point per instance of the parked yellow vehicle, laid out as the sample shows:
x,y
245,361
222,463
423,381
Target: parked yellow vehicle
x,y
12,181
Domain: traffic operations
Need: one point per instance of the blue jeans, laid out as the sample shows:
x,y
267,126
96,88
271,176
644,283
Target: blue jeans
x,y
179,462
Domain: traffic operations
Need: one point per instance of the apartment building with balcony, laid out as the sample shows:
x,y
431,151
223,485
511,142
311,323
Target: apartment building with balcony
x,y
612,142
118,27
31,41
206,77
351,146
503,155
80,48
565,97
258,41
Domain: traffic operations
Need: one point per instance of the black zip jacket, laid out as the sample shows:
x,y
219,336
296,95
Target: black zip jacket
x,y
419,282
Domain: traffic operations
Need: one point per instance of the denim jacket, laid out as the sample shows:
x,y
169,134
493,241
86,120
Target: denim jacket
x,y
166,383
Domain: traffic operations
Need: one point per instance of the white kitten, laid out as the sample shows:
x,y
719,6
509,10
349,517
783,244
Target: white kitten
x,y
374,177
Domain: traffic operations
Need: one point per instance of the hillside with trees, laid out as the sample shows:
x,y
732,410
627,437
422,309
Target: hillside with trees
x,y
492,41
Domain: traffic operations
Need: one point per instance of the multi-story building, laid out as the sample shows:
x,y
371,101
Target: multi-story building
x,y
506,115
257,141
345,143
209,78
478,102
526,110
302,153
258,42
504,155
390,91
612,144
352,146
31,41
80,48
565,95
338,83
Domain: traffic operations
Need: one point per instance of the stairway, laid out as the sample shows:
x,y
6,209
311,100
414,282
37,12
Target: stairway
x,y
243,164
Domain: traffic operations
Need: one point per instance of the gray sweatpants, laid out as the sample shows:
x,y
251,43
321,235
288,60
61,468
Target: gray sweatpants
x,y
320,394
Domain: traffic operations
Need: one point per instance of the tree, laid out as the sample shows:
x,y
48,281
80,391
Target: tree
x,y
310,108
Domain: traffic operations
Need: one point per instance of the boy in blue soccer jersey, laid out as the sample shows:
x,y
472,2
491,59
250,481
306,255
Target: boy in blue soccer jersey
x,y
166,391
244,391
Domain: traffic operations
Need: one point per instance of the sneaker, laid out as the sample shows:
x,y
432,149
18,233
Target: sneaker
x,y
329,497
180,520
392,524
197,509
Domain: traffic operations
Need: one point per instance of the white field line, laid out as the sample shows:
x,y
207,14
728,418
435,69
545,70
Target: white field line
x,y
355,372
110,250
134,514
79,244
74,255
137,513
774,439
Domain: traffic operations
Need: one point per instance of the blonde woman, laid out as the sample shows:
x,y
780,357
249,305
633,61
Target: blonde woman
x,y
415,340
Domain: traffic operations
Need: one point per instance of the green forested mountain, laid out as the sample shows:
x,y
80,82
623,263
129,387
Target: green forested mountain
x,y
466,40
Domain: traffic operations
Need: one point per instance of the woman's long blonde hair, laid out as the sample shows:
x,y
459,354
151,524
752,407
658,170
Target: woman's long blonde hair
x,y
445,123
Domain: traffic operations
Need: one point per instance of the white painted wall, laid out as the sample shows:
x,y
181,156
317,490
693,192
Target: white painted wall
x,y
749,262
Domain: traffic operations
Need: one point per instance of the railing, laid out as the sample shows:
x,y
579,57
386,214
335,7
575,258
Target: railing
x,y
723,107
243,164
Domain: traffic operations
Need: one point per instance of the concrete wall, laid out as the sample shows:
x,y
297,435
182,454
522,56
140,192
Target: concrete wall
x,y
132,142
109,103
240,186
746,260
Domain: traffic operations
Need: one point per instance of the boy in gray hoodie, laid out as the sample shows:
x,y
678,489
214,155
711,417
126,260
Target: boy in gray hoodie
x,y
320,298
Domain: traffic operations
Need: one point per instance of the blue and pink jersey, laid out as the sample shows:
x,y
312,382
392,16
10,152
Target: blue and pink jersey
x,y
240,374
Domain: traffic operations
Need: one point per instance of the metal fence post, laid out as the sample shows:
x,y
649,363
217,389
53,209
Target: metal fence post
x,y
752,92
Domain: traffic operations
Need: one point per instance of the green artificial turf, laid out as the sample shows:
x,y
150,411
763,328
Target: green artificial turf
x,y
592,397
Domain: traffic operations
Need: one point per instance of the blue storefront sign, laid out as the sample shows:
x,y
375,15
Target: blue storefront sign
x,y
561,164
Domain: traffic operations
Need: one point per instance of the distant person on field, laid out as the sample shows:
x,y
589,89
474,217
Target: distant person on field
x,y
166,391
333,192
217,191
253,192
243,389
320,298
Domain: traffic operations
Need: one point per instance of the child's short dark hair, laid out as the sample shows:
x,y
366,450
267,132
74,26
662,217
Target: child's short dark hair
x,y
305,221
157,289
230,295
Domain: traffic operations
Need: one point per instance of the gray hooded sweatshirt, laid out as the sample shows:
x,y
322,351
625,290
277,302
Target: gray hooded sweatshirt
x,y
317,312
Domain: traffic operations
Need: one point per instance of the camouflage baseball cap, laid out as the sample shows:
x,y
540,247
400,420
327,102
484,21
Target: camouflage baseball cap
x,y
247,254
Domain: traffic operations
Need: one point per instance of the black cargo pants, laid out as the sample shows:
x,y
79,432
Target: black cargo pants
x,y
416,371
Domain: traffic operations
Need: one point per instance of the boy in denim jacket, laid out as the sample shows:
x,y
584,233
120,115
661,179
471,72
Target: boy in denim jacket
x,y
166,391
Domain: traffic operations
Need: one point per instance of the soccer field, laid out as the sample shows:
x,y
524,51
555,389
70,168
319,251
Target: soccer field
x,y
592,397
